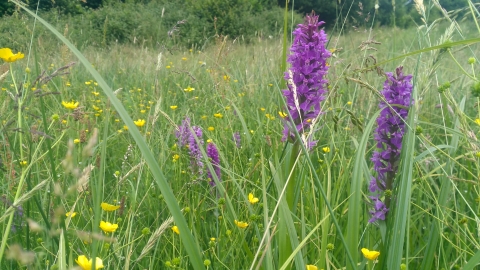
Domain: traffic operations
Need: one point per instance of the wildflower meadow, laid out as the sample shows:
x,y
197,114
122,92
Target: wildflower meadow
x,y
311,149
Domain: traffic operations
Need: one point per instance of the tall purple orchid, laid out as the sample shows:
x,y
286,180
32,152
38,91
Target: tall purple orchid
x,y
306,76
196,163
183,132
397,91
212,153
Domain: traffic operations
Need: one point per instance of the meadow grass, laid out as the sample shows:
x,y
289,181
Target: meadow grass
x,y
57,160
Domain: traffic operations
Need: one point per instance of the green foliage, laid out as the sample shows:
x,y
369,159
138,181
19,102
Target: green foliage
x,y
6,8
157,23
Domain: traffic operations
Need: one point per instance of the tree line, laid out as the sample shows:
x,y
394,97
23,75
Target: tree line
x,y
196,22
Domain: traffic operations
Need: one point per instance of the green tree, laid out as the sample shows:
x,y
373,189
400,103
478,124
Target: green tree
x,y
6,8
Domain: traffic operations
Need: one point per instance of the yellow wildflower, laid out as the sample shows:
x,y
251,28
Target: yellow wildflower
x,y
108,227
282,114
88,83
76,141
189,89
109,207
174,107
8,56
23,163
184,58
218,115
86,264
349,103
176,157
326,149
203,117
70,105
241,224
226,78
311,267
139,122
70,214
370,254
477,121
252,199
175,229
211,128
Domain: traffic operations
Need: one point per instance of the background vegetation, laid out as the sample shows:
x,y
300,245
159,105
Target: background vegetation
x,y
151,22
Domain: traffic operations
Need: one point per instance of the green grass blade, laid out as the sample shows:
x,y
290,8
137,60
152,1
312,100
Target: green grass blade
x,y
286,224
355,202
396,235
189,243
62,255
445,195
473,262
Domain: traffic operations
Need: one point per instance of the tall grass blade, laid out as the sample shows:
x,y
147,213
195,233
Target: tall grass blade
x,y
445,195
473,262
355,202
189,243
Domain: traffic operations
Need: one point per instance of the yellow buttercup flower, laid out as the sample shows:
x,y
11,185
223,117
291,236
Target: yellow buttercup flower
x,y
311,267
241,224
252,199
86,264
70,214
174,107
477,121
108,227
109,207
70,105
8,56
175,157
218,115
211,128
370,254
76,141
326,149
139,122
269,116
189,89
282,114
175,229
